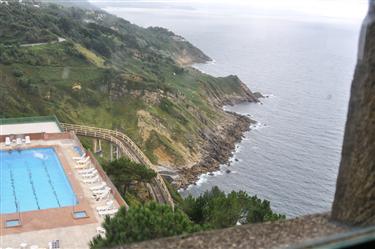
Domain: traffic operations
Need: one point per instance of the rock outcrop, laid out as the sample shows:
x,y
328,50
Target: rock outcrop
x,y
355,191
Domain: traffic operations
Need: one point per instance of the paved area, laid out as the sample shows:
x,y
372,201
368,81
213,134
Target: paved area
x,y
69,237
48,127
72,233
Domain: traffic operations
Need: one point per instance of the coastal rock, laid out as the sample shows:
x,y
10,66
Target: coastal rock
x,y
258,95
355,193
218,150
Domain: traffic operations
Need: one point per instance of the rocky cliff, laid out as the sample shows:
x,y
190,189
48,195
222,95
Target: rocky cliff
x,y
355,191
109,73
354,202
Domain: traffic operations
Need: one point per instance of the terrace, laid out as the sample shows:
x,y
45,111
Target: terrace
x,y
45,197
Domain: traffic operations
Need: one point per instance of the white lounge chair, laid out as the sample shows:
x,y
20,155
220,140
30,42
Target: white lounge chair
x,y
83,166
27,140
109,205
110,212
102,185
86,171
101,191
95,174
90,176
84,161
23,245
100,231
18,141
101,196
55,244
91,180
78,158
7,141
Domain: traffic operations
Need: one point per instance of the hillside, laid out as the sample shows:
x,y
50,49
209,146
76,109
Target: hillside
x,y
97,69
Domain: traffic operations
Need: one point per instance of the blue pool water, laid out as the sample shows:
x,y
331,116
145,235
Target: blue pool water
x,y
78,150
32,180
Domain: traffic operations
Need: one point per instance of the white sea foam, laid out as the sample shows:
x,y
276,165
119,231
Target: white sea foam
x,y
217,173
270,95
203,178
257,126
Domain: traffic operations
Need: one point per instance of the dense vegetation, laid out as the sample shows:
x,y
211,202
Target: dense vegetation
x,y
129,178
147,220
214,209
143,223
110,73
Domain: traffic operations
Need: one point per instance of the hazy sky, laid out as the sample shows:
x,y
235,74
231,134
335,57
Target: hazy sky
x,y
329,8
345,9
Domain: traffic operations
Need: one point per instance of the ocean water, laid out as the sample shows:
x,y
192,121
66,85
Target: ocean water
x,y
303,62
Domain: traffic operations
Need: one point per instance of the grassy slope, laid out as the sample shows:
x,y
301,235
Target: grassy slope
x,y
135,84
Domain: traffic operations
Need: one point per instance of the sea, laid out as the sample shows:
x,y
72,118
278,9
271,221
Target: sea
x,y
302,58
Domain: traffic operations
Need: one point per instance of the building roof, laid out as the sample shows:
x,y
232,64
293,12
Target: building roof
x,y
27,125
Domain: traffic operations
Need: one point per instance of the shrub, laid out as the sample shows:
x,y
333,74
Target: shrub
x,y
218,210
123,172
146,222
17,72
24,82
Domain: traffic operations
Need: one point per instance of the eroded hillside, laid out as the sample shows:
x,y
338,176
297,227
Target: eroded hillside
x,y
97,69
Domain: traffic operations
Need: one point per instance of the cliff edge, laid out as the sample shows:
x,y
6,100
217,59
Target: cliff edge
x,y
355,191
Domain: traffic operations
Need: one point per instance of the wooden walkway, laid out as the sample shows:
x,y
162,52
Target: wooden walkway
x,y
158,188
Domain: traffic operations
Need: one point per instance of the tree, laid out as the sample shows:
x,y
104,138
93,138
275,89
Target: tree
x,y
17,72
218,210
146,222
65,24
123,172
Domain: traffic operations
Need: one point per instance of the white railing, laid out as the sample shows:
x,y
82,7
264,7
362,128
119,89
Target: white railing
x,y
124,143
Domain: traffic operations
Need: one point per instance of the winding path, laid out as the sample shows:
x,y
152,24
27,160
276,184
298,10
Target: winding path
x,y
59,39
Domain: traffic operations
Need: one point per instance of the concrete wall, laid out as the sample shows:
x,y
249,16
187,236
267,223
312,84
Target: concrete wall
x,y
355,191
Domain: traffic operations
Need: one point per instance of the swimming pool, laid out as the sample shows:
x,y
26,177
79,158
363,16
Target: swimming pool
x,y
33,179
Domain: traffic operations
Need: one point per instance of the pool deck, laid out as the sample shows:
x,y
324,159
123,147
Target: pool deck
x,y
41,226
69,237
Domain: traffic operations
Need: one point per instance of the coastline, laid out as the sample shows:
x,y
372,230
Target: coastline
x,y
218,150
219,147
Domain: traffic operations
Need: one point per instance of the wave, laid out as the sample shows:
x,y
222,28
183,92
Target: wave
x,y
257,126
268,95
203,178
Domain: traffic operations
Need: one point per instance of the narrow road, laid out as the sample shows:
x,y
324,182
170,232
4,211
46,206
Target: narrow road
x,y
59,39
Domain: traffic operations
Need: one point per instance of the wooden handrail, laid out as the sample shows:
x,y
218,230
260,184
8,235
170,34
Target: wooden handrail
x,y
129,148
